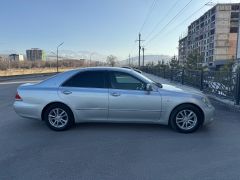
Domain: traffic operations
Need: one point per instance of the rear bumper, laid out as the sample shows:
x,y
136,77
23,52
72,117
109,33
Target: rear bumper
x,y
25,110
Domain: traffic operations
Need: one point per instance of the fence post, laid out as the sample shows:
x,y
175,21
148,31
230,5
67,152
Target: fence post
x,y
183,76
155,71
201,80
164,72
237,85
171,73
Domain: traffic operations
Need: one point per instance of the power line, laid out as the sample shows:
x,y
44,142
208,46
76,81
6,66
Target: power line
x,y
189,17
177,15
195,12
157,34
180,24
154,2
157,25
150,10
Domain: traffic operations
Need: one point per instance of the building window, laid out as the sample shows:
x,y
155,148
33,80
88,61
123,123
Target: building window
x,y
212,31
233,30
234,15
213,10
213,18
234,23
235,7
211,45
210,59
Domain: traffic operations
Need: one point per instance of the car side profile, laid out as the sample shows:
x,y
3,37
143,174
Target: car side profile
x,y
107,94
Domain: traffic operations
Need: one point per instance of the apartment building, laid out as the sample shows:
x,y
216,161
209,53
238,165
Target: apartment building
x,y
214,36
35,54
16,57
238,46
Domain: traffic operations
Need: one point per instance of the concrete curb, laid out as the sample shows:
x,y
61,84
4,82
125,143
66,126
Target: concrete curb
x,y
224,102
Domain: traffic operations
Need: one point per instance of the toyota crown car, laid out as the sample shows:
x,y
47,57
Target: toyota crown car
x,y
108,94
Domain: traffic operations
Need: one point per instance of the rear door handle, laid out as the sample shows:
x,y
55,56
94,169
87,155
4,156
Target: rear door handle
x,y
115,94
67,92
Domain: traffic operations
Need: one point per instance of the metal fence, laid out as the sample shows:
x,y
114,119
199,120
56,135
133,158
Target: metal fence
x,y
222,84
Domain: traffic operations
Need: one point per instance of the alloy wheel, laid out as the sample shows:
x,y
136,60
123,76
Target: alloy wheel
x,y
58,118
186,119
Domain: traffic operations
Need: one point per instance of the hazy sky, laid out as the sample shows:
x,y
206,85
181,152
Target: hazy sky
x,y
102,26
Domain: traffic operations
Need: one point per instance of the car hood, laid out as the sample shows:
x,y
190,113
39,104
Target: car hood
x,y
184,90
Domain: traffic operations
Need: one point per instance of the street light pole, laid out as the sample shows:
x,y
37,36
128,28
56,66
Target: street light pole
x,y
57,54
143,49
90,62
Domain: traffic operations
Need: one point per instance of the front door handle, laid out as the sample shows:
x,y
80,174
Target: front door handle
x,y
67,92
115,94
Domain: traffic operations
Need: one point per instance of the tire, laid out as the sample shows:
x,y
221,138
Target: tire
x,y
186,119
58,117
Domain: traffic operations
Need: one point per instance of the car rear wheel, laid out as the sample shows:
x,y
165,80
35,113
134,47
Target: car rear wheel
x,y
58,117
186,119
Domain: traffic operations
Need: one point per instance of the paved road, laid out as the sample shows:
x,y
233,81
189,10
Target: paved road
x,y
29,150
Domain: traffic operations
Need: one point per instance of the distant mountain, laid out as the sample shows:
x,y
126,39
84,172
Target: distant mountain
x,y
78,55
148,59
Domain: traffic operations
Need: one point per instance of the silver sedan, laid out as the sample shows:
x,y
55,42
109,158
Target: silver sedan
x,y
111,95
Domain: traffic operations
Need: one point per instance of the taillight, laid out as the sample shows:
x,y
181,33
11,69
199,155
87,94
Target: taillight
x,y
18,97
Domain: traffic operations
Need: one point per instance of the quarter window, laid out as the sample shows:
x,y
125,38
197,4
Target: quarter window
x,y
88,79
125,81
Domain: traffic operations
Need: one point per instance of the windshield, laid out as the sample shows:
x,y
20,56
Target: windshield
x,y
159,85
143,77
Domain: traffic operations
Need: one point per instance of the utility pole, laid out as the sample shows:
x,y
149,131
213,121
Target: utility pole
x,y
129,60
143,49
57,54
9,63
90,61
139,49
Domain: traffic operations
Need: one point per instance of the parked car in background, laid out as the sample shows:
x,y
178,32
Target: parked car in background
x,y
107,94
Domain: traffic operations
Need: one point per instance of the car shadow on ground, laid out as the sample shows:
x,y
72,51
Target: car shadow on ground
x,y
40,126
132,127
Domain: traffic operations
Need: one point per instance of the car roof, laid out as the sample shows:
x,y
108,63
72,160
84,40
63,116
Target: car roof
x,y
120,69
56,80
106,68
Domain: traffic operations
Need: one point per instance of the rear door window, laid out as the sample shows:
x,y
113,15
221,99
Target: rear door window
x,y
87,79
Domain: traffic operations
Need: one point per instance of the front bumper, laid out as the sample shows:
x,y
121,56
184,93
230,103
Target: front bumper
x,y
209,113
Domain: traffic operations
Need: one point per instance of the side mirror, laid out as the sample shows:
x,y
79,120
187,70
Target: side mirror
x,y
149,87
160,85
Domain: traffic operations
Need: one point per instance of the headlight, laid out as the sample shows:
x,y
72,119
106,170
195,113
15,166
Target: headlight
x,y
206,101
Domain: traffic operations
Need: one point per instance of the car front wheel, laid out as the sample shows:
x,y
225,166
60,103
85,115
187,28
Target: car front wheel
x,y
186,119
58,117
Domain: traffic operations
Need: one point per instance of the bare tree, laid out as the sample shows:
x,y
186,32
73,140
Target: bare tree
x,y
112,60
